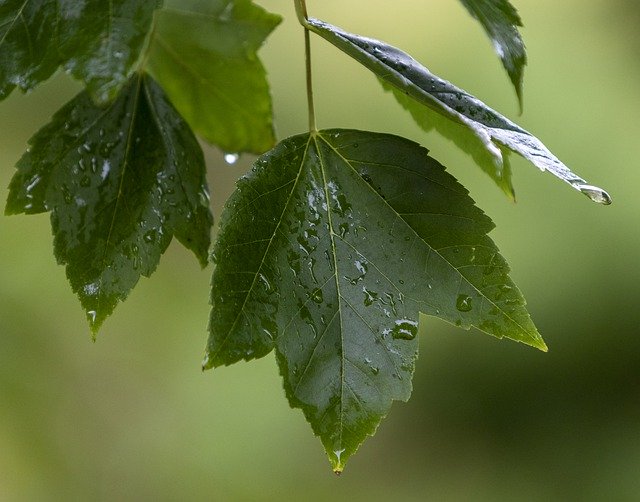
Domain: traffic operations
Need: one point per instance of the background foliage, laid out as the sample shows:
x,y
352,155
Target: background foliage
x,y
132,416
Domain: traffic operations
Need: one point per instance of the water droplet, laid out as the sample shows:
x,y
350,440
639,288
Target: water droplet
x,y
205,362
265,282
91,289
150,236
338,468
92,315
596,194
405,329
231,158
369,297
463,303
317,296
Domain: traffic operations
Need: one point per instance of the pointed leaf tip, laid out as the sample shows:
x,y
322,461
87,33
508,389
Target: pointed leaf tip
x,y
500,20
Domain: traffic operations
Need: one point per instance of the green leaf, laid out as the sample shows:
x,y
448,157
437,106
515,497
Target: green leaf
x,y
500,21
462,137
27,54
491,129
328,250
98,42
119,182
204,56
101,42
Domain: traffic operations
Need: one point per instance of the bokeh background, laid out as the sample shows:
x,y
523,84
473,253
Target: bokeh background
x,y
131,417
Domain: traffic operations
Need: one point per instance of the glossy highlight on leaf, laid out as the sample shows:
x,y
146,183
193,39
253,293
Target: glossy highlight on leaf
x,y
119,182
27,54
491,129
328,251
204,54
101,41
500,21
97,41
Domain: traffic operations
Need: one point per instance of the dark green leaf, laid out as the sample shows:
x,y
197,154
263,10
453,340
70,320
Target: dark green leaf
x,y
327,252
204,55
491,129
27,54
98,42
501,20
119,182
101,41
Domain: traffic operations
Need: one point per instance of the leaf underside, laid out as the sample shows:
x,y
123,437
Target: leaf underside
x,y
429,93
500,21
119,182
204,54
327,252
98,42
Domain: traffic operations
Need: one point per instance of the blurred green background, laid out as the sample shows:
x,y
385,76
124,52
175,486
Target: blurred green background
x,y
131,417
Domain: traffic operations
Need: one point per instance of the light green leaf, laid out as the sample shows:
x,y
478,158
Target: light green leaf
x,y
100,41
204,54
500,21
120,182
328,250
491,129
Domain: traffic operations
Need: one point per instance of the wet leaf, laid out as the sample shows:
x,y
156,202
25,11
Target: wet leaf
x,y
204,56
464,138
27,54
494,131
500,21
328,250
119,182
100,41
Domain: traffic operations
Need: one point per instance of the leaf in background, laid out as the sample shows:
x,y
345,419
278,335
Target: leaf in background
x,y
500,21
328,250
119,182
27,54
493,130
98,42
204,56
101,41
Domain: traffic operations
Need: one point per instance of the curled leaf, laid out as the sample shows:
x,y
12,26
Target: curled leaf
x,y
494,131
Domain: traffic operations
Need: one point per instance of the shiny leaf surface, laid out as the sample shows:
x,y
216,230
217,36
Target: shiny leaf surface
x,y
328,250
98,42
101,41
120,182
500,21
204,54
494,131
27,54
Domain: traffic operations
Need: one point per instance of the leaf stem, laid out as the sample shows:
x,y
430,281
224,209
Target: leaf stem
x,y
312,113
148,44
301,11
